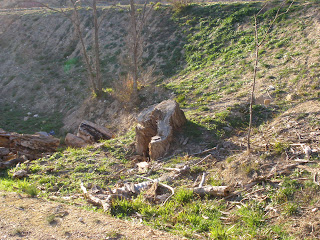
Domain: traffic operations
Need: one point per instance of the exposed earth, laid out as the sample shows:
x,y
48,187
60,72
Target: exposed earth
x,y
23,217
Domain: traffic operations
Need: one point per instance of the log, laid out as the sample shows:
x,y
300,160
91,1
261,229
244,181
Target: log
x,y
74,141
31,145
216,191
91,132
156,124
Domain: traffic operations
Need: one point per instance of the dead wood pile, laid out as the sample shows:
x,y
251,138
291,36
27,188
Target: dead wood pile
x,y
154,190
15,148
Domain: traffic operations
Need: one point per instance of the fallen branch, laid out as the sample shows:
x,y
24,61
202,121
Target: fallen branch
x,y
315,179
104,200
184,169
202,160
203,152
203,179
217,191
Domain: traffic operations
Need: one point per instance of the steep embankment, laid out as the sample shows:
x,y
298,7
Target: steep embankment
x,y
42,70
220,57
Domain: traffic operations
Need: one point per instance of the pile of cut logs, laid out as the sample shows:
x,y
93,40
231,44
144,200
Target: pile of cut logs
x,y
16,148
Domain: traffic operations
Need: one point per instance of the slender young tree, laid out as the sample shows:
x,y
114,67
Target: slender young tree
x,y
259,42
93,67
135,42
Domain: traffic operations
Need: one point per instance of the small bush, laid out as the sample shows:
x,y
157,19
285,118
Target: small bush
x,y
29,189
280,147
286,192
183,196
122,208
252,215
123,89
219,232
179,5
290,209
51,218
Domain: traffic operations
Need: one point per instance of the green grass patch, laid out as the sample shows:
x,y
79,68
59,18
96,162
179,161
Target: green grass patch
x,y
14,118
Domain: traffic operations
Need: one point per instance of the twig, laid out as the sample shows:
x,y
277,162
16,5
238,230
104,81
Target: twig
x,y
203,159
304,161
275,18
195,182
185,168
203,179
259,179
315,178
203,152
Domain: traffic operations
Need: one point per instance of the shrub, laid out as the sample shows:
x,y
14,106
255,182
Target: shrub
x,y
290,209
183,196
280,147
179,5
123,89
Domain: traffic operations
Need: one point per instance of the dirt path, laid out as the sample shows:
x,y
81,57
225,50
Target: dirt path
x,y
32,218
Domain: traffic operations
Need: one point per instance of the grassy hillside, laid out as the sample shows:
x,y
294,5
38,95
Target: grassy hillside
x,y
220,54
204,59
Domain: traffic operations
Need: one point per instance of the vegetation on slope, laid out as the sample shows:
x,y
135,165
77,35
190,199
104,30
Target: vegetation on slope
x,y
220,53
213,90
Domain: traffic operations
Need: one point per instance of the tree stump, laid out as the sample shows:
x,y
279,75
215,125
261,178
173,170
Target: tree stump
x,y
155,128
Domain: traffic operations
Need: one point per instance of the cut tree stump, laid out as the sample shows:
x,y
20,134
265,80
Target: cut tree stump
x,y
156,124
91,132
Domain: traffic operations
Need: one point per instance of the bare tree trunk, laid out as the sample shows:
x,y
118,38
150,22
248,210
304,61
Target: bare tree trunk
x,y
135,43
135,49
97,49
254,82
258,44
83,47
93,71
